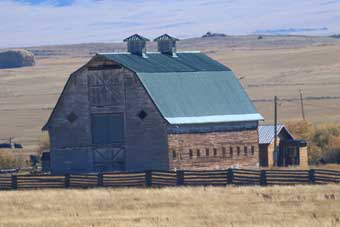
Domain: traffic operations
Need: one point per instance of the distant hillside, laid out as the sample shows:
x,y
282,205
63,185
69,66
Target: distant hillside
x,y
207,44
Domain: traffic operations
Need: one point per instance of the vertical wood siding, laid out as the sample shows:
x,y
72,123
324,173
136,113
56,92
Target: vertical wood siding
x,y
105,90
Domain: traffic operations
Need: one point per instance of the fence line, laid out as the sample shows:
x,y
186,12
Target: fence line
x,y
172,178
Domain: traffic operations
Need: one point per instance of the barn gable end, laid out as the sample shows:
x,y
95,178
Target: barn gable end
x,y
104,88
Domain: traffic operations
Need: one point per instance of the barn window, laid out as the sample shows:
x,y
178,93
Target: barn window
x,y
231,152
238,151
198,153
215,152
142,115
245,150
72,117
224,152
174,155
190,154
107,128
207,152
252,150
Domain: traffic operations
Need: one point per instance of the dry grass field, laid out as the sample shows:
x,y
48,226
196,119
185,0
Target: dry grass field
x,y
312,206
271,66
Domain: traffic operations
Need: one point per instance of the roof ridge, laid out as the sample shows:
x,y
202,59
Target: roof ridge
x,y
152,52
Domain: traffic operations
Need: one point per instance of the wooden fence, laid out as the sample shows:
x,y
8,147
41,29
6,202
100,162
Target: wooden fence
x,y
178,178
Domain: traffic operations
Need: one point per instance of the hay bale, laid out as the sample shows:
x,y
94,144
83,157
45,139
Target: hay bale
x,y
16,58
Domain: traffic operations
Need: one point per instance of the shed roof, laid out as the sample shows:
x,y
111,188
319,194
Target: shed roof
x,y
266,133
190,88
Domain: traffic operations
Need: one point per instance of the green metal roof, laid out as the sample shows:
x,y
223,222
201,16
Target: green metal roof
x,y
190,88
156,62
199,97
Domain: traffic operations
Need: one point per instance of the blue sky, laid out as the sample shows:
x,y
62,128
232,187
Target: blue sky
x,y
44,22
55,2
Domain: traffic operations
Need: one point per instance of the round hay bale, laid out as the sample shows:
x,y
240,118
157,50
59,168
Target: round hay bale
x,y
16,58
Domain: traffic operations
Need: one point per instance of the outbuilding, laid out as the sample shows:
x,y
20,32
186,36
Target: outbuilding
x,y
288,152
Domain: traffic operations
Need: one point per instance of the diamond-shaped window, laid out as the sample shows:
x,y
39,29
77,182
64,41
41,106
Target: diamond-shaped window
x,y
72,117
142,114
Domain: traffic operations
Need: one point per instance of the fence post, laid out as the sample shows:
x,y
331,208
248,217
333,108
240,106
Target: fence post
x,y
67,180
14,182
263,178
311,176
230,176
179,177
100,180
148,178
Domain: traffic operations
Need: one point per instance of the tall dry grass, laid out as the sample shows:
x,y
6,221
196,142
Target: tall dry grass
x,y
311,206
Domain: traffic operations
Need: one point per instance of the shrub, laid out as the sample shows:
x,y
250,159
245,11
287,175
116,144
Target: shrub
x,y
8,160
323,140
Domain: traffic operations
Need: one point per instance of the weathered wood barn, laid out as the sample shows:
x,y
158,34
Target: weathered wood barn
x,y
160,110
289,151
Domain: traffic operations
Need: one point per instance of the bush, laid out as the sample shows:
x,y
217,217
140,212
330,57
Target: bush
x,y
8,160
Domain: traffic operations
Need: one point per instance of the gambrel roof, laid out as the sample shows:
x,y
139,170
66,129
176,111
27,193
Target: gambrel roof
x,y
156,62
190,88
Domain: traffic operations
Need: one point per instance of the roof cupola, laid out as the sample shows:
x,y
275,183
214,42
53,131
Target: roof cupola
x,y
167,44
136,44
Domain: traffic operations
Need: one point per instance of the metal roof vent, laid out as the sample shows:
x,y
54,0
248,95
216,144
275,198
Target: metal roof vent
x,y
136,44
167,44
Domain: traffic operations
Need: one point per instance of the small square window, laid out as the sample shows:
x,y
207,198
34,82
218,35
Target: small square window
x,y
207,152
224,152
174,155
72,117
190,154
142,115
215,152
252,150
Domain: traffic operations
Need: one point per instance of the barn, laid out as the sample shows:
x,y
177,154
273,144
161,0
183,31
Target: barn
x,y
165,110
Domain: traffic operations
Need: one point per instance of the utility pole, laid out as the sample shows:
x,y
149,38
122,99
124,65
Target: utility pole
x,y
275,132
302,107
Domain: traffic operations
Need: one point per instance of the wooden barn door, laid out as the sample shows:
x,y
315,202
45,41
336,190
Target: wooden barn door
x,y
108,159
107,101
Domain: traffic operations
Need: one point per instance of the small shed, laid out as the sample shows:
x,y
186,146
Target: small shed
x,y
289,151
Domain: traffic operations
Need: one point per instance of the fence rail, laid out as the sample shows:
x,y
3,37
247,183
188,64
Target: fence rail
x,y
172,178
